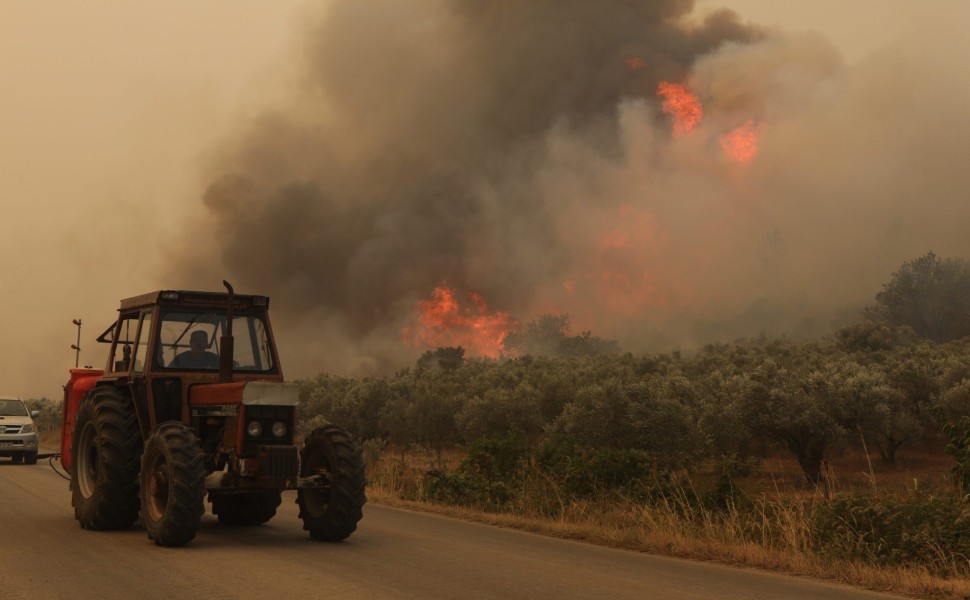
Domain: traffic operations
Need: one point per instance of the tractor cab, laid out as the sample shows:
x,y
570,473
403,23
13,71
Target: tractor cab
x,y
168,331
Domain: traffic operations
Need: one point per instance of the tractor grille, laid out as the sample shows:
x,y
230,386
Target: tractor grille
x,y
278,466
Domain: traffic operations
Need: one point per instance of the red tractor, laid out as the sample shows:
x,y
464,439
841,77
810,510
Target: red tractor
x,y
192,402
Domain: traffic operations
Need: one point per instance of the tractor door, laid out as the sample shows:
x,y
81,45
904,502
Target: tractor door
x,y
139,357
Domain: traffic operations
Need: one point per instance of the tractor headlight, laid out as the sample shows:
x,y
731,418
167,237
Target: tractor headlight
x,y
254,429
279,429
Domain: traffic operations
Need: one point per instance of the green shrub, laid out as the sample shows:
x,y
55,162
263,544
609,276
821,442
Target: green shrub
x,y
499,464
452,487
499,458
724,495
489,476
583,472
919,529
959,448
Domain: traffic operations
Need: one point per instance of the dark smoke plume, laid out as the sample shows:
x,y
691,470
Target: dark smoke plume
x,y
519,150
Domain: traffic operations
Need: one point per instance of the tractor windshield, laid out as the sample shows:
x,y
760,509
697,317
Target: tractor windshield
x,y
190,340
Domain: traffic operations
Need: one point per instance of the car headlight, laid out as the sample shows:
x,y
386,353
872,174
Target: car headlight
x,y
28,428
279,429
254,429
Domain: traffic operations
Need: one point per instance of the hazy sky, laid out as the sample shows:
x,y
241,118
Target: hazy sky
x,y
113,113
108,109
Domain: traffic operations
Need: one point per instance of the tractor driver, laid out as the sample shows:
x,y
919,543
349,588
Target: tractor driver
x,y
196,357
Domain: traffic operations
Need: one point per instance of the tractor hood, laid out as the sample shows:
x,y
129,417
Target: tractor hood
x,y
260,393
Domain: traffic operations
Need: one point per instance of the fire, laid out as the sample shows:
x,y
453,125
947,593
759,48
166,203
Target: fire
x,y
682,105
741,143
445,320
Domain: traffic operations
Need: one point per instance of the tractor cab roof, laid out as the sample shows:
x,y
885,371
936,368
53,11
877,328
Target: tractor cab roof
x,y
190,298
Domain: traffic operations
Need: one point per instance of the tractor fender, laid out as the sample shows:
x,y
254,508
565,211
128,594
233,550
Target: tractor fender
x,y
81,382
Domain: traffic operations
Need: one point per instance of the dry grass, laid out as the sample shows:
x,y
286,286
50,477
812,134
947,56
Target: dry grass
x,y
778,538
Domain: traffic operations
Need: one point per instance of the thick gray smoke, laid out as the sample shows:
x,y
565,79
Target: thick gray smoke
x,y
519,150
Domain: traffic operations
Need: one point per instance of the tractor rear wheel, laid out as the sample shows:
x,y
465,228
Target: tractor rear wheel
x,y
106,453
332,514
172,485
245,509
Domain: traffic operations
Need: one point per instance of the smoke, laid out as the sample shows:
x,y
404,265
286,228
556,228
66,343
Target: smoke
x,y
519,151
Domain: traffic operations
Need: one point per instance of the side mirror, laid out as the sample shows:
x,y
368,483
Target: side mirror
x,y
34,414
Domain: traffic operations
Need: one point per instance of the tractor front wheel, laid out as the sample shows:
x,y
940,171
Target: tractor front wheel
x,y
331,514
172,485
245,509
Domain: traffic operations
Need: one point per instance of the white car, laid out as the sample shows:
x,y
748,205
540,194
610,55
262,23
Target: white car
x,y
18,436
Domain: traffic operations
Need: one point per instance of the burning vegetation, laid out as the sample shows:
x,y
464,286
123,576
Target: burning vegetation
x,y
445,320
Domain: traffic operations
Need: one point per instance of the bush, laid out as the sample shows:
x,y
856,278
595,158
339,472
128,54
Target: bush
x,y
500,458
453,487
583,471
724,495
490,475
959,448
916,530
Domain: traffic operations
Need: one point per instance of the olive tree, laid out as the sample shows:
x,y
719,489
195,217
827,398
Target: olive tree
x,y
929,294
599,415
793,410
500,411
867,403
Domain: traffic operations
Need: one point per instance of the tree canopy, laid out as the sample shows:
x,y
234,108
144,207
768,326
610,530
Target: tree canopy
x,y
929,294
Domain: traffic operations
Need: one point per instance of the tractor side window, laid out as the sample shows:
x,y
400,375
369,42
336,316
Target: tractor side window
x,y
141,348
124,339
251,351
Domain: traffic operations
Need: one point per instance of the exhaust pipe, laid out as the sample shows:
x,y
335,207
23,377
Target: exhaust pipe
x,y
225,342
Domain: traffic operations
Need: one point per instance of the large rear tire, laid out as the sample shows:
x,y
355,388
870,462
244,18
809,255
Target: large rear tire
x,y
332,514
106,454
245,509
172,485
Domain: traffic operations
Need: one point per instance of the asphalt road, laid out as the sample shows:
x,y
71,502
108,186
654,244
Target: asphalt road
x,y
44,554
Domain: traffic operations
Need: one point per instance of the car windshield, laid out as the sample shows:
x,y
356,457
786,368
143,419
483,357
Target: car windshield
x,y
12,408
190,340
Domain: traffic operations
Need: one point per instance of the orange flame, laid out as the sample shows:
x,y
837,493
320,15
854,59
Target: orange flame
x,y
682,105
444,320
741,143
